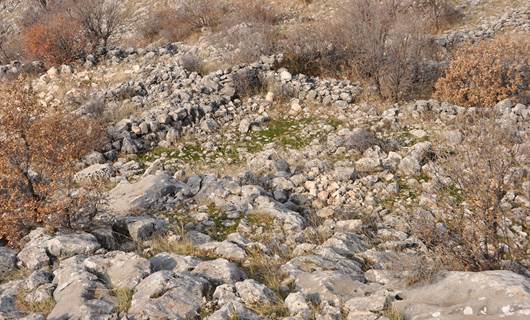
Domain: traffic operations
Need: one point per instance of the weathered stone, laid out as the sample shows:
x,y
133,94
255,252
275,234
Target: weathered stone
x,y
142,228
173,262
8,261
127,198
71,244
34,255
230,251
220,271
95,172
119,269
79,293
253,293
457,295
164,295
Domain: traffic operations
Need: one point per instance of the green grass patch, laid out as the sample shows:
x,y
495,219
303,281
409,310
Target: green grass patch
x,y
220,229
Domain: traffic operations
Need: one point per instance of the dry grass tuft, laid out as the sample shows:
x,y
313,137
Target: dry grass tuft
x,y
123,297
43,307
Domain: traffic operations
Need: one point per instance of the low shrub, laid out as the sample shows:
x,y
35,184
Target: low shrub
x,y
471,227
38,158
484,73
55,39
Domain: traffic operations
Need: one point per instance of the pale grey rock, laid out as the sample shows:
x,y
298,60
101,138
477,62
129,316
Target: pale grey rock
x,y
8,300
253,293
173,262
292,221
94,158
225,293
368,165
80,294
220,271
119,269
345,173
366,307
409,166
38,278
8,261
71,244
285,75
353,225
143,195
142,228
95,172
165,295
34,255
234,309
298,306
458,295
230,251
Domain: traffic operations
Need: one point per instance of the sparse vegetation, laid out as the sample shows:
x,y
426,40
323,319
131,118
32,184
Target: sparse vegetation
x,y
471,229
264,268
123,297
279,141
183,246
43,307
484,73
37,161
54,39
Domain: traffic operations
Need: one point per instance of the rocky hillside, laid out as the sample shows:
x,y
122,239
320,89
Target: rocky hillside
x,y
253,192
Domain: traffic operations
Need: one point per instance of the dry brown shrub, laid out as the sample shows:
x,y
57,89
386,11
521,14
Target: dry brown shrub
x,y
257,12
165,24
471,228
190,18
387,47
321,52
37,161
55,39
369,41
100,19
440,13
484,73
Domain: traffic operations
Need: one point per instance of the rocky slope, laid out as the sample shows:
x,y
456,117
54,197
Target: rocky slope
x,y
255,193
291,202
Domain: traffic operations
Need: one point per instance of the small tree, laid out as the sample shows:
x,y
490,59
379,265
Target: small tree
x,y
37,160
54,39
386,47
100,19
484,73
471,228
440,12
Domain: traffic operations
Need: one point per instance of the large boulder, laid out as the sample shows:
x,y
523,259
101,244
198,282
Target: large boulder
x,y
141,228
145,194
95,172
119,269
164,295
220,271
68,245
34,254
80,294
461,295
173,262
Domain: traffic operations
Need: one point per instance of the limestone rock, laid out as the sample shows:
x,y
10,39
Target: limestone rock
x,y
494,294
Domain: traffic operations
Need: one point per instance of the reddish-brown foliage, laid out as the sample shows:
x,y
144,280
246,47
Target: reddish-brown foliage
x,y
55,39
482,74
37,160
